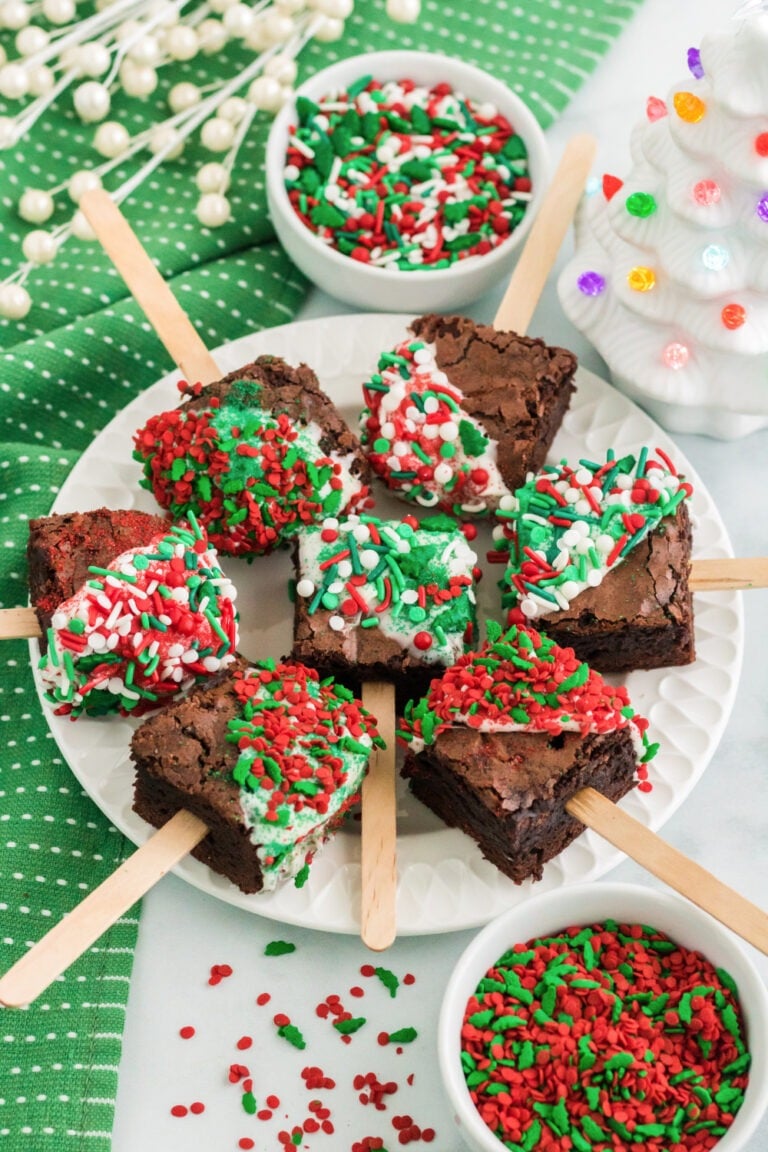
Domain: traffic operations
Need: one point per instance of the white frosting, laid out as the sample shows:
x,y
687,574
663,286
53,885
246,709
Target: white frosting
x,y
726,368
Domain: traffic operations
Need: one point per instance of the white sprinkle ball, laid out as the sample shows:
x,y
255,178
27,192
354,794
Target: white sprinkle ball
x,y
336,623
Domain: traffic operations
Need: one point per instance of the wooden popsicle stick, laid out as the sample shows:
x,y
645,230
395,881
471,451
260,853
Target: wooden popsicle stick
x,y
18,624
678,871
546,236
378,862
723,574
68,939
729,574
169,320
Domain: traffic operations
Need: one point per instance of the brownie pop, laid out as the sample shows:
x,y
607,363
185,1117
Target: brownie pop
x,y
268,756
509,734
132,610
598,555
458,414
387,600
253,456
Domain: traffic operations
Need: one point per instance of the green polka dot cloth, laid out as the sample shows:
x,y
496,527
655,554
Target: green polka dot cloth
x,y
79,356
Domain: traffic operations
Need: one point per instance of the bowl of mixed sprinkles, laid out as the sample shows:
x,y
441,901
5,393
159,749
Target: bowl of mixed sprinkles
x,y
605,1018
404,181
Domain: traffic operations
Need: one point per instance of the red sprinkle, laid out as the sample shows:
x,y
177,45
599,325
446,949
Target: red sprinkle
x,y
187,1032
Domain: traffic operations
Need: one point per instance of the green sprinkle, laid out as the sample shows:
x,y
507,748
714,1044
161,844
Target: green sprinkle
x,y
347,1027
279,948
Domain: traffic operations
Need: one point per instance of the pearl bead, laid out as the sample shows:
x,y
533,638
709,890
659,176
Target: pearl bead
x,y
212,177
145,51
111,139
403,11
36,206
213,210
257,38
30,40
94,60
165,137
80,183
15,301
92,101
278,26
181,42
237,20
14,14
334,9
8,132
81,229
41,79
127,30
39,247
326,30
265,93
14,82
217,134
183,96
137,79
59,11
212,36
233,109
283,68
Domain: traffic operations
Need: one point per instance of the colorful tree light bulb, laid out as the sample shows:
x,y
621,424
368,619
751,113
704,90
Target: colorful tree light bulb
x,y
641,204
591,283
733,316
641,279
689,107
611,185
675,355
695,66
706,192
715,257
655,109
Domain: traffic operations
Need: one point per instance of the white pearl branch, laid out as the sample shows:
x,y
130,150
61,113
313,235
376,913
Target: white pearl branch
x,y
121,47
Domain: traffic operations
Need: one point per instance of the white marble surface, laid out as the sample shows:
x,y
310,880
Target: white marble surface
x,y
183,932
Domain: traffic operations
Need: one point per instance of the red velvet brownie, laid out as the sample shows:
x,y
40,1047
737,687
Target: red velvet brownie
x,y
254,456
599,555
267,756
458,414
133,610
509,734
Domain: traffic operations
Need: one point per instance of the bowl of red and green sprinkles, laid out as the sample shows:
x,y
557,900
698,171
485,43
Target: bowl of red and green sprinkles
x,y
405,181
605,1018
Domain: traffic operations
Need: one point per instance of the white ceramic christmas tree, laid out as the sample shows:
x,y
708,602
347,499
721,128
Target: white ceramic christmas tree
x,y
670,276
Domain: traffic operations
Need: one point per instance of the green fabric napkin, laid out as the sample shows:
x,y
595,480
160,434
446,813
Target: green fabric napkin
x,y
82,353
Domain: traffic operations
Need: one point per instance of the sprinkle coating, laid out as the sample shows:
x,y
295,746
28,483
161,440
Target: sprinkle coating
x,y
520,680
138,633
568,526
253,473
419,439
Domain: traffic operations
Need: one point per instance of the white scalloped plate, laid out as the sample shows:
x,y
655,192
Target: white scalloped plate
x,y
444,882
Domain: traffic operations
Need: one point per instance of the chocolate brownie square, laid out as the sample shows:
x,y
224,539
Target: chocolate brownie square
x,y
267,757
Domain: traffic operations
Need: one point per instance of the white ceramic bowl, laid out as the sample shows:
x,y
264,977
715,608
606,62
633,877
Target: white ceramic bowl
x,y
386,289
588,904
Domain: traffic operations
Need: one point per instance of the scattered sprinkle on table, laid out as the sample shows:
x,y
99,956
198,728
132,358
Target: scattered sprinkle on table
x,y
398,175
